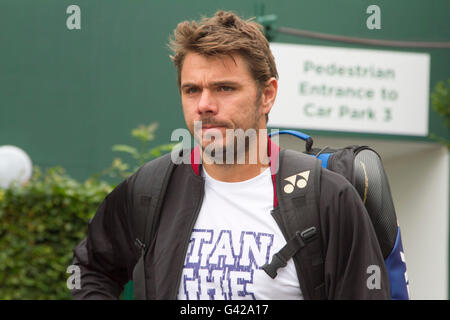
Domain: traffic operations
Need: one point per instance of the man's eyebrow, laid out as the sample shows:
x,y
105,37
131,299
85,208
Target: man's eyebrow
x,y
213,84
225,83
188,85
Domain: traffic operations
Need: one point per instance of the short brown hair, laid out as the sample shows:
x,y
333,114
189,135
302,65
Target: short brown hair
x,y
224,34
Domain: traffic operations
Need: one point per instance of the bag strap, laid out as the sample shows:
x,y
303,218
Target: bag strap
x,y
293,245
150,185
298,191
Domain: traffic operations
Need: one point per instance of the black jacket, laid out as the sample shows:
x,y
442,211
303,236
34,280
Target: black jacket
x,y
108,254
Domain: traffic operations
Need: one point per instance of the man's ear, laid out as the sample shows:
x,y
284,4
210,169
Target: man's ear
x,y
268,95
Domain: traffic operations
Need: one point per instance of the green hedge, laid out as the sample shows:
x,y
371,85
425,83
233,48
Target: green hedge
x,y
40,224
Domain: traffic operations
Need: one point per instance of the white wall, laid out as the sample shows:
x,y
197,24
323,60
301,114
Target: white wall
x,y
419,184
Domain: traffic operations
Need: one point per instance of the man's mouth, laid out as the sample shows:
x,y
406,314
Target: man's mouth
x,y
212,126
210,130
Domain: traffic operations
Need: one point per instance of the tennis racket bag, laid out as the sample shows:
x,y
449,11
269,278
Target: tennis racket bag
x,y
362,166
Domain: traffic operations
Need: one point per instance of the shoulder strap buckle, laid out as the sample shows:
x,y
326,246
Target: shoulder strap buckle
x,y
297,242
276,263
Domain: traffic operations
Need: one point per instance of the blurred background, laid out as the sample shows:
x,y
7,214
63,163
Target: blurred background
x,y
88,92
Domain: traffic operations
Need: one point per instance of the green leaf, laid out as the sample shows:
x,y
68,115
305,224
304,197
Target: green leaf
x,y
440,99
125,148
145,133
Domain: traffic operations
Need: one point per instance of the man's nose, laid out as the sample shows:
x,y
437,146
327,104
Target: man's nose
x,y
207,102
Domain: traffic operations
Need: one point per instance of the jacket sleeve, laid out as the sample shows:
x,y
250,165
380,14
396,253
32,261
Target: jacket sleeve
x,y
354,264
106,257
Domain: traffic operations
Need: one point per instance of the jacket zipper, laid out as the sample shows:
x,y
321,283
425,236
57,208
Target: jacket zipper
x,y
298,270
279,223
191,227
282,227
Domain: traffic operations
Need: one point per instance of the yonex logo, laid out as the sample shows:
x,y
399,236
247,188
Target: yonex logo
x,y
300,180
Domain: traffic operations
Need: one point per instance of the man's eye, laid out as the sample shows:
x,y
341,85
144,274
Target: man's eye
x,y
191,90
226,88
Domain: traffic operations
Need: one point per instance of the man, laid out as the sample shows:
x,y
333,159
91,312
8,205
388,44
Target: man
x,y
220,223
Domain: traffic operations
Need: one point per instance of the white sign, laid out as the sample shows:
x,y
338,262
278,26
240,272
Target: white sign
x,y
355,90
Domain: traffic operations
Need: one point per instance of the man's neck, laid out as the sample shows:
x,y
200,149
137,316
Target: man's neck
x,y
237,171
234,173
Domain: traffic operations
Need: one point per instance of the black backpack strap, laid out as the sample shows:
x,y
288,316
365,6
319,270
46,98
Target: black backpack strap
x,y
298,192
293,245
149,186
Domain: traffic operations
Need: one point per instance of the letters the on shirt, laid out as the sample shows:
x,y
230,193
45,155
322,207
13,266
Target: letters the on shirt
x,y
216,269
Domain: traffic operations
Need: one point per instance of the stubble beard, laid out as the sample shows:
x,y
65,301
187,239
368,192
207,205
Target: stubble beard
x,y
235,147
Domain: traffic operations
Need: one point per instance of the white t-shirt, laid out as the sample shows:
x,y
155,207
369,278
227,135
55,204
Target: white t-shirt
x,y
233,237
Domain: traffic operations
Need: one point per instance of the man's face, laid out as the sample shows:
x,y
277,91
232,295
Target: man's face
x,y
220,92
